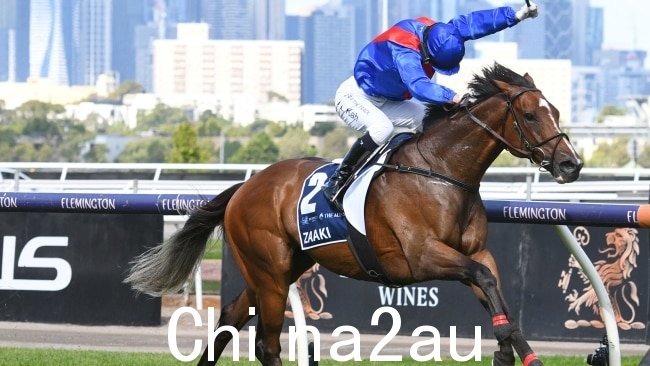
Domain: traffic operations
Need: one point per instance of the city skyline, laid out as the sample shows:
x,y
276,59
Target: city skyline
x,y
79,42
625,27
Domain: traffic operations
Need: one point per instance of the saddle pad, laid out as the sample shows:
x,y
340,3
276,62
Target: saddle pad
x,y
319,222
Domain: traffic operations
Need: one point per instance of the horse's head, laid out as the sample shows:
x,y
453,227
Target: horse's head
x,y
530,127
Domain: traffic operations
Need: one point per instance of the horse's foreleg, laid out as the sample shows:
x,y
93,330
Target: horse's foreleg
x,y
505,355
234,314
485,279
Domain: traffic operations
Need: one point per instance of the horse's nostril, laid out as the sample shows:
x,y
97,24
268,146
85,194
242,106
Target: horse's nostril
x,y
570,166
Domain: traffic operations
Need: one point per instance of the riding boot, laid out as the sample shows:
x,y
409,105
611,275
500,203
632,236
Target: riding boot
x,y
359,152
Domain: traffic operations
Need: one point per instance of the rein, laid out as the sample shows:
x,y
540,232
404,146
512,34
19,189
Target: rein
x,y
430,174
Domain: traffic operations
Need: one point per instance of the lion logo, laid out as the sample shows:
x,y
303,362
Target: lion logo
x,y
621,250
312,290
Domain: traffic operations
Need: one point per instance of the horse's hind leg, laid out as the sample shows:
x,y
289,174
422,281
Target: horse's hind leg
x,y
484,277
272,292
272,302
234,314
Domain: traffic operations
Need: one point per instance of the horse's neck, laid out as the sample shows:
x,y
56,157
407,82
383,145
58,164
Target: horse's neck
x,y
459,147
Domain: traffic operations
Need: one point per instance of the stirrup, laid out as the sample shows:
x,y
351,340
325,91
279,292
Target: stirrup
x,y
333,194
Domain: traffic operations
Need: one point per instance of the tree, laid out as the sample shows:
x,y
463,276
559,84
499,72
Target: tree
x,y
259,150
76,136
230,149
96,154
210,124
612,155
322,128
335,143
295,144
275,96
162,116
127,87
186,147
258,126
609,110
148,150
35,108
277,129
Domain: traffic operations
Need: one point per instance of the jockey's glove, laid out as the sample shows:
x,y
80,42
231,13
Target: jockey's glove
x,y
527,12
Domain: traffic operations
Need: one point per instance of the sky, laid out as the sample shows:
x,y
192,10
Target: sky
x,y
627,23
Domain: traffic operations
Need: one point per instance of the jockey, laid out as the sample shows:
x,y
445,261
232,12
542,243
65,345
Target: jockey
x,y
397,66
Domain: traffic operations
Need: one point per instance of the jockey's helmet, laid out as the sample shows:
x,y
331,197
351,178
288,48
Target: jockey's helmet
x,y
446,47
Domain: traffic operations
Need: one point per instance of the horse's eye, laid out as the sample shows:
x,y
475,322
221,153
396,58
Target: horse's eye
x,y
529,117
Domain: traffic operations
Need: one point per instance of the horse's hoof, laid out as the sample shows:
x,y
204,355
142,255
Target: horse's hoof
x,y
503,359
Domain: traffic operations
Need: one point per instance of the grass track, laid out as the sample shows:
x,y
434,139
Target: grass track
x,y
56,357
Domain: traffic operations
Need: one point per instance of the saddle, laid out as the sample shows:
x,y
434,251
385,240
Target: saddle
x,y
389,148
357,239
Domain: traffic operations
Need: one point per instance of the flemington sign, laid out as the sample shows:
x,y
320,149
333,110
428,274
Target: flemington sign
x,y
561,213
166,204
555,213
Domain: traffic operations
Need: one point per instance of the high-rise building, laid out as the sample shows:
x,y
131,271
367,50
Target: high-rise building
x,y
624,75
91,34
558,19
128,15
192,64
14,40
367,21
327,63
230,19
245,19
587,85
183,11
47,50
144,36
594,30
269,19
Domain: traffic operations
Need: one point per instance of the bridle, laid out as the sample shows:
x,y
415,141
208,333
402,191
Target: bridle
x,y
528,152
531,150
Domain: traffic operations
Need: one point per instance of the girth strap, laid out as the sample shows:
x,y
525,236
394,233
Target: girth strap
x,y
366,256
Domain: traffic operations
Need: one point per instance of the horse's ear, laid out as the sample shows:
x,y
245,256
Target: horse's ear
x,y
529,79
505,87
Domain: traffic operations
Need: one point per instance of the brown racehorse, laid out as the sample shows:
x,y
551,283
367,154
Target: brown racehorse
x,y
421,227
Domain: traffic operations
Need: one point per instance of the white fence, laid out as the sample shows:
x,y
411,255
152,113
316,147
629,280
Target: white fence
x,y
595,185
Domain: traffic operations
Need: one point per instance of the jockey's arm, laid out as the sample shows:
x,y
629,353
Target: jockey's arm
x,y
409,65
482,23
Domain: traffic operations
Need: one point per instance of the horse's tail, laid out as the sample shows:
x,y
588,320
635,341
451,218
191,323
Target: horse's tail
x,y
166,267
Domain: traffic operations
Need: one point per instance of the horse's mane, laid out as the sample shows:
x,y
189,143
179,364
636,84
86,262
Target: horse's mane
x,y
481,87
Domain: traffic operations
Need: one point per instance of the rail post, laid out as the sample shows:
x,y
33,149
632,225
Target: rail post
x,y
301,325
606,309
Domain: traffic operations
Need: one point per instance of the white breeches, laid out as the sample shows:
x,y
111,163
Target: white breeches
x,y
377,115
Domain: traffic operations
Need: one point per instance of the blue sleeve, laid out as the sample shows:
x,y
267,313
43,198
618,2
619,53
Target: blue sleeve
x,y
409,65
484,22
